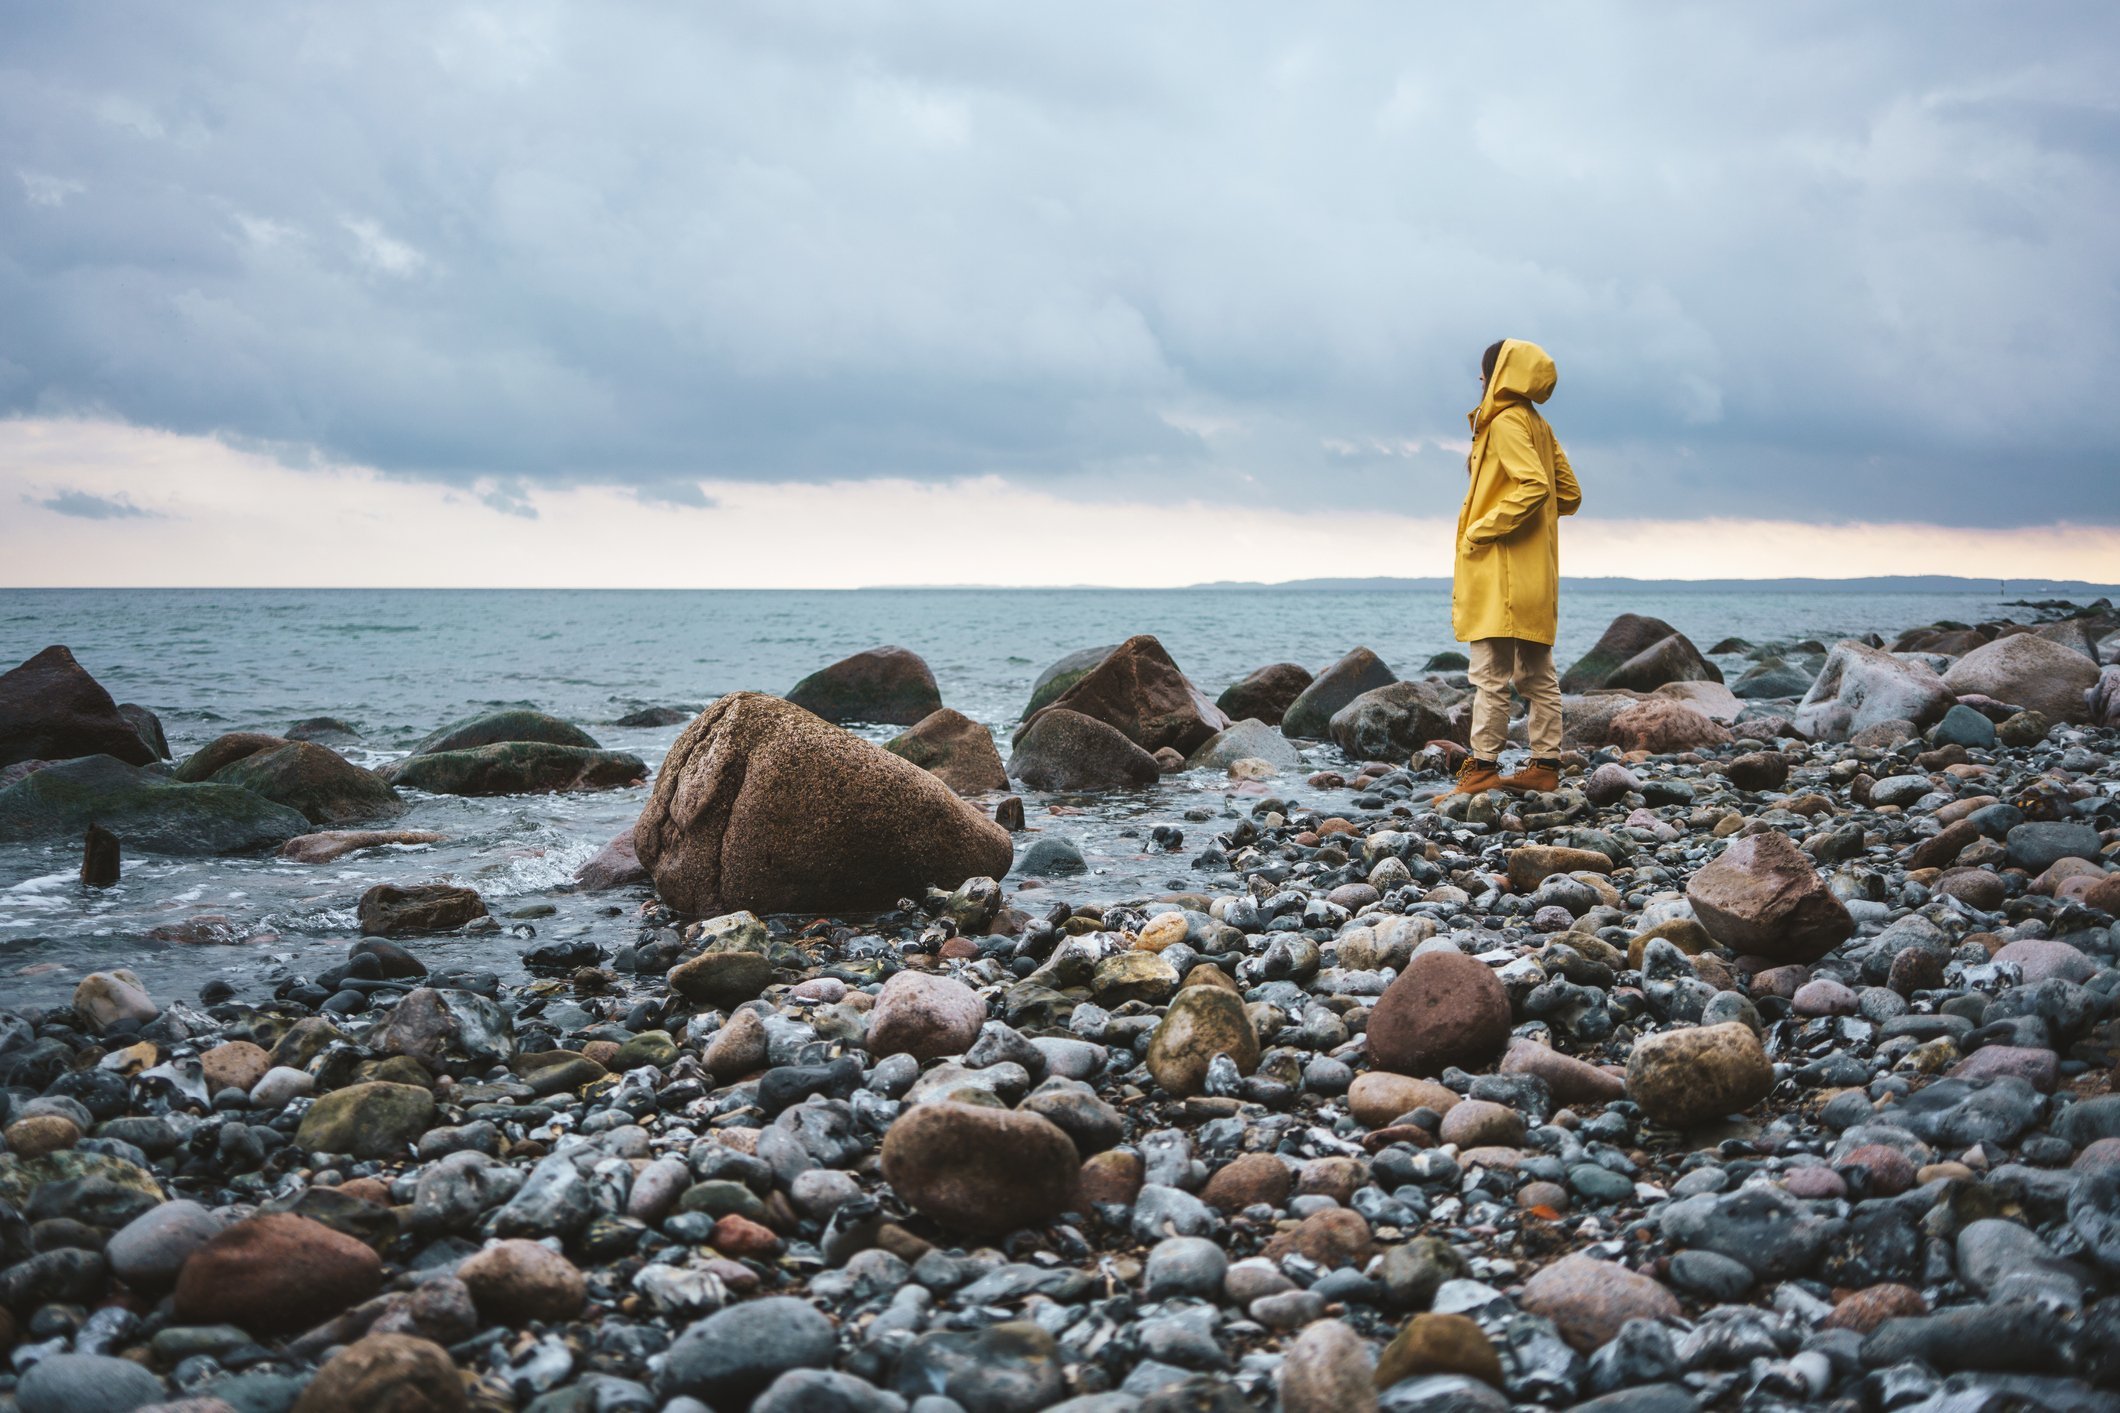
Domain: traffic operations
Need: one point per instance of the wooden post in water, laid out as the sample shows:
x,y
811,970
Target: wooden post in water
x,y
99,857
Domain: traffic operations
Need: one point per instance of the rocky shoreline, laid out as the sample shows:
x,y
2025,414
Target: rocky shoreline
x,y
1767,1062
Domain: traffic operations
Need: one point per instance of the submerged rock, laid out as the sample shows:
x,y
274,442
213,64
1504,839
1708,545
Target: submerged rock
x,y
149,813
1265,693
516,768
495,727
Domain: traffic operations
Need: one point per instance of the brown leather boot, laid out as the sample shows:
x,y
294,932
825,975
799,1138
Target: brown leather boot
x,y
1476,777
1537,777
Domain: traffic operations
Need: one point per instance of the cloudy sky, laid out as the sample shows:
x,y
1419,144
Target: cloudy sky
x,y
842,293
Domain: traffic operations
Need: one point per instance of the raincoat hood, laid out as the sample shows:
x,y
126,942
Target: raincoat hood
x,y
1523,372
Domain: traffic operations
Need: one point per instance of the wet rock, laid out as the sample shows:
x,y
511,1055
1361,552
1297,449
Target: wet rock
x,y
1682,1077
1762,897
275,1274
1772,1233
891,686
443,1029
51,709
1862,687
399,1373
516,768
1445,1009
2028,671
332,844
1061,749
388,910
1137,689
1249,739
1395,720
955,749
616,865
1379,1096
1328,1369
1441,1344
731,1356
372,1120
517,1281
2012,1335
1567,1079
980,1169
1265,693
760,805
149,1251
501,727
1309,716
722,978
1589,1299
1005,1367
1062,675
2038,845
149,812
1639,653
86,1383
106,998
1200,1024
924,1016
1662,726
316,780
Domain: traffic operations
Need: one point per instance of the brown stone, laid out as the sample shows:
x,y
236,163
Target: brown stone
x,y
1662,726
1445,1009
1682,1077
1140,691
390,911
1763,898
616,865
2028,671
980,1169
1328,1369
329,844
1247,1179
1439,1344
1482,1123
954,749
514,1281
276,1274
51,709
1264,694
234,1064
1533,864
924,1016
1378,1096
1681,932
1568,1080
761,805
1200,1023
1113,1176
1590,1299
1939,849
385,1373
41,1135
1337,1236
1864,1310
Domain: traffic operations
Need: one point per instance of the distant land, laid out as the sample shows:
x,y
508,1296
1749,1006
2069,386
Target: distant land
x,y
1881,584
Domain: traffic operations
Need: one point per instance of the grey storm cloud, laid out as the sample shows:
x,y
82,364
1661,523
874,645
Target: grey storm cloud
x,y
84,505
1804,260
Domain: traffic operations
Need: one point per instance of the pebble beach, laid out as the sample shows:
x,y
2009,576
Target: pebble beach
x,y
1765,1063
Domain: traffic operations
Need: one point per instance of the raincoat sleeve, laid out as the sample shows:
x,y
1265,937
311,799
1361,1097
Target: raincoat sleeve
x,y
1515,460
1569,494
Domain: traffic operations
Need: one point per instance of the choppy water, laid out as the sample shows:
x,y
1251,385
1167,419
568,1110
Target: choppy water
x,y
398,663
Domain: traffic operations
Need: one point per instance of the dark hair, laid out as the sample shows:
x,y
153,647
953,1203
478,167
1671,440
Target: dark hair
x,y
1494,351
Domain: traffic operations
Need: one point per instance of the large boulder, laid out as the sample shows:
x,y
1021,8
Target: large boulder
x,y
1250,739
2105,698
1640,654
325,786
954,749
1265,694
1309,716
1586,721
762,805
1062,675
616,865
513,724
51,709
1395,720
1060,749
1761,897
1770,679
1139,690
149,727
150,813
1861,686
2028,671
890,686
516,768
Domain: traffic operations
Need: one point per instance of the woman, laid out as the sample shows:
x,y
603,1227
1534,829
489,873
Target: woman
x,y
1505,593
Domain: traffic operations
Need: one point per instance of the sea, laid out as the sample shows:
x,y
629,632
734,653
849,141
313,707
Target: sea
x,y
397,663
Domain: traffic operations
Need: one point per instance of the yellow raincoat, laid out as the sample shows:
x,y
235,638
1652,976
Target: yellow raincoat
x,y
1507,580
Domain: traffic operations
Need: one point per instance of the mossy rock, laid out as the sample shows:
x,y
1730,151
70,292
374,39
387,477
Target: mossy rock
x,y
516,768
373,1120
514,724
150,813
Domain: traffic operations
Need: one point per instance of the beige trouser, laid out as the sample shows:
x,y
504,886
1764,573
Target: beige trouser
x,y
1498,662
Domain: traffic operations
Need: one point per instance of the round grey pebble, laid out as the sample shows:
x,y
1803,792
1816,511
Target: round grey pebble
x,y
1185,1265
86,1383
1710,1275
